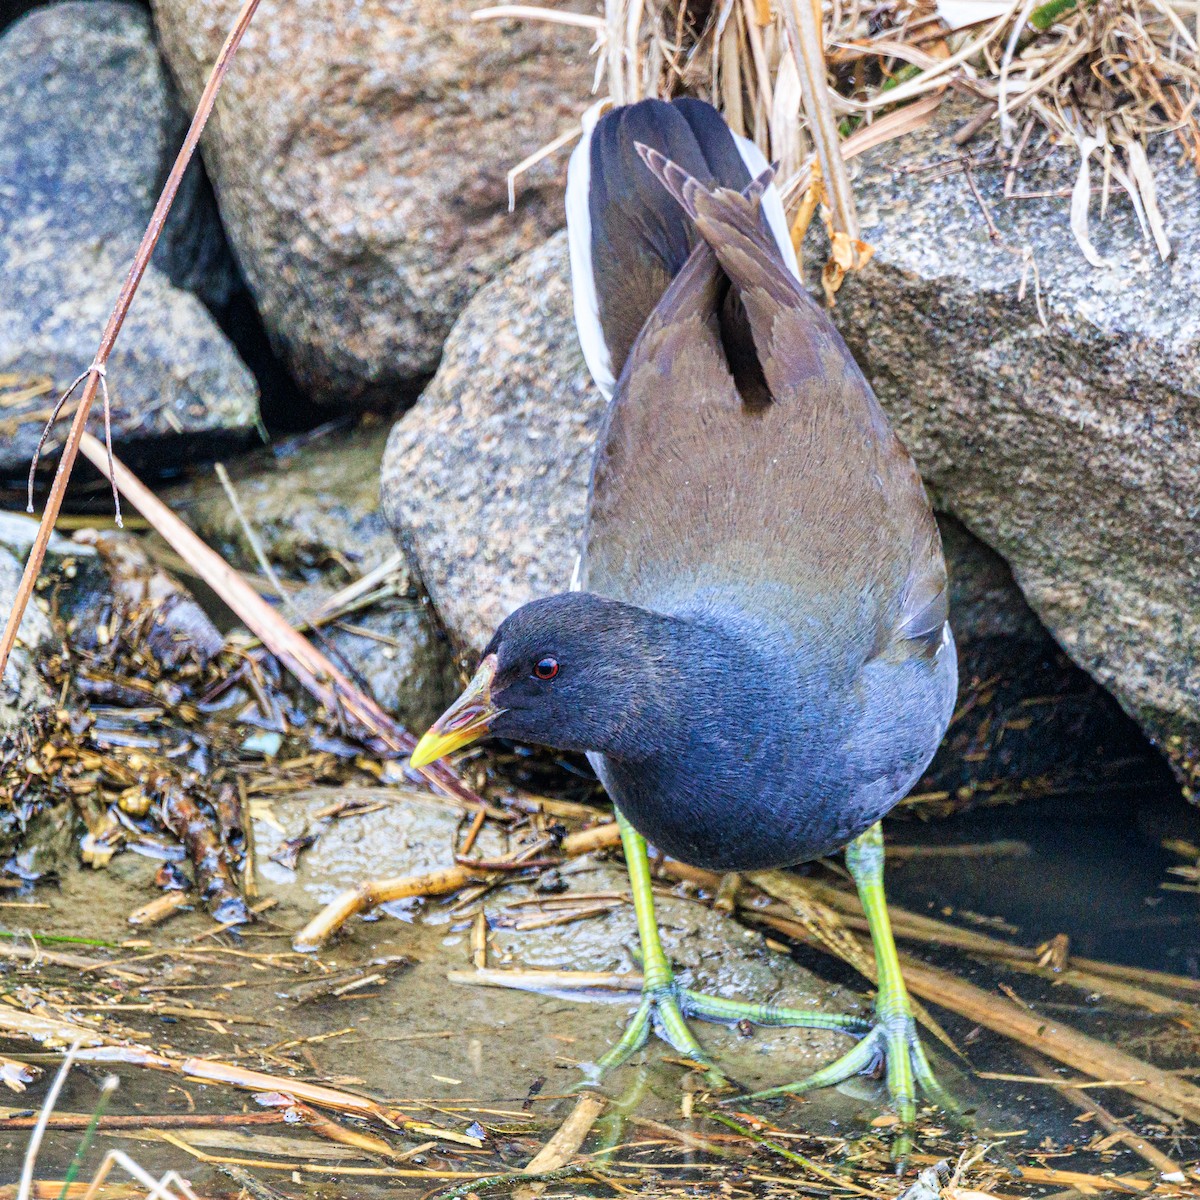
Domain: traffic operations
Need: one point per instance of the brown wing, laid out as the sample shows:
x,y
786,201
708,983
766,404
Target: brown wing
x,y
808,500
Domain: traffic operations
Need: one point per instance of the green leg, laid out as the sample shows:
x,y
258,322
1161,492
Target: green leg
x,y
895,1033
665,1006
660,1000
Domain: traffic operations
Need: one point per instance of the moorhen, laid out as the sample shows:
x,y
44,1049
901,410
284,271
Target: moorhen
x,y
759,663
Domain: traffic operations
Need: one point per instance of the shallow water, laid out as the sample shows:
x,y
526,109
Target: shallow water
x,y
1094,871
416,1037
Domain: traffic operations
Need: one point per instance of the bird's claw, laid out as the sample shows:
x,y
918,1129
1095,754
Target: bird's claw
x,y
662,1009
894,1041
666,1007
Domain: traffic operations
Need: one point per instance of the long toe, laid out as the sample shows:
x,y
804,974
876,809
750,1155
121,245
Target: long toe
x,y
856,1061
895,1041
717,1008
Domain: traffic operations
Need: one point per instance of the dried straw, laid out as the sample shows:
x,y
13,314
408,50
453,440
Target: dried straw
x,y
1095,75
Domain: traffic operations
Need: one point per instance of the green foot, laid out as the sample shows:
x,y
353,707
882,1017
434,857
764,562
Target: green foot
x,y
892,1039
665,1008
661,1010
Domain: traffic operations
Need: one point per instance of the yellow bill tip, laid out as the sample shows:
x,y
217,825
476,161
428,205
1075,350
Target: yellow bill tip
x,y
430,748
465,721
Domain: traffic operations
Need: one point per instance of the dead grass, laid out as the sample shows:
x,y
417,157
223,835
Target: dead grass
x,y
1104,77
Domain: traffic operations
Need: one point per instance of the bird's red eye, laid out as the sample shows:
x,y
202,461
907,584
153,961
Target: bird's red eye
x,y
546,669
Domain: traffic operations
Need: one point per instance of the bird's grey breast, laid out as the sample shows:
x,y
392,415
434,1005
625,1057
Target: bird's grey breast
x,y
791,768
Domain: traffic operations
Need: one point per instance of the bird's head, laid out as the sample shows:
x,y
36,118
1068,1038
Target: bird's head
x,y
570,672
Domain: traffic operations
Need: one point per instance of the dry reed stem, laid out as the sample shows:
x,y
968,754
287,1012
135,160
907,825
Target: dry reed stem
x,y
55,958
96,372
549,981
312,668
157,1189
214,1071
40,1027
367,1143
373,892
60,1189
1124,71
1122,983
317,1168
35,1138
568,1138
1055,1040
81,1121
1089,1104
805,36
1076,1182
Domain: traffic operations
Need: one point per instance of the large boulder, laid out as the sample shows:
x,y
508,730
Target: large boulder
x,y
89,127
485,480
359,155
485,484
1072,447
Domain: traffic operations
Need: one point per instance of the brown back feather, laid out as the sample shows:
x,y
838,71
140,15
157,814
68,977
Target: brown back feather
x,y
810,500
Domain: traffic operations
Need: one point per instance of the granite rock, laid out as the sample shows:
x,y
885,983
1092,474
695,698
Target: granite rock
x,y
24,697
485,480
1071,446
359,156
88,130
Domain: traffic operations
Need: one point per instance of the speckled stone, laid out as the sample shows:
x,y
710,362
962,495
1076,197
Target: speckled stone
x,y
485,480
359,155
1073,449
313,505
89,126
23,695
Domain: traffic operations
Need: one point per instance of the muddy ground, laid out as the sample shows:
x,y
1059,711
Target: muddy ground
x,y
374,1014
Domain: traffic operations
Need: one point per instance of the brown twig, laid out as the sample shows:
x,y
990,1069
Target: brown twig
x,y
1090,1105
565,1143
373,892
548,981
96,372
67,1121
323,1126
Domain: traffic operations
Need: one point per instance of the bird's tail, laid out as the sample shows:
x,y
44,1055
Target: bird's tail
x,y
628,236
